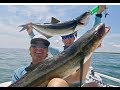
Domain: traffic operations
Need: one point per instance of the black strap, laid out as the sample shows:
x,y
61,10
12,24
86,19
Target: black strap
x,y
81,69
99,15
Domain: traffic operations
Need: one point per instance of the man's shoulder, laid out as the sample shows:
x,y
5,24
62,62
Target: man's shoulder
x,y
54,51
18,73
53,48
20,69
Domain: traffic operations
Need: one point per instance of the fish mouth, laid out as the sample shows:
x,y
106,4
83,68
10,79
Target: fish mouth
x,y
102,30
85,18
80,23
107,29
86,14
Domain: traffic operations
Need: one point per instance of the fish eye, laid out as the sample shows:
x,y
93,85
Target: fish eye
x,y
96,33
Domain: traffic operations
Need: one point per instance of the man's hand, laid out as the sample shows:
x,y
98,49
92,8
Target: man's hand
x,y
99,45
101,9
29,27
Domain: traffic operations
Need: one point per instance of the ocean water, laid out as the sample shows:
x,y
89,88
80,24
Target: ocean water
x,y
108,64
11,59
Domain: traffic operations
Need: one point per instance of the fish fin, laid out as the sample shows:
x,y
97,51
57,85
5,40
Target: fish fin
x,y
75,33
54,20
48,36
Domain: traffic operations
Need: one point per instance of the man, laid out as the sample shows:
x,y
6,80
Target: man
x,y
38,51
69,40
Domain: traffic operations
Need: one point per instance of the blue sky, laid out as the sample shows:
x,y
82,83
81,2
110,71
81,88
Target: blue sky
x,y
11,16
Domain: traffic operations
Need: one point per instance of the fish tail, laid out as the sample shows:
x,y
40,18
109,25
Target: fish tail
x,y
24,27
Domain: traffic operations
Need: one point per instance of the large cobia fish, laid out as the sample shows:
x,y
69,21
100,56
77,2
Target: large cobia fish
x,y
66,62
58,28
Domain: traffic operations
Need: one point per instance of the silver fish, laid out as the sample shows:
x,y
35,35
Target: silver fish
x,y
57,28
66,62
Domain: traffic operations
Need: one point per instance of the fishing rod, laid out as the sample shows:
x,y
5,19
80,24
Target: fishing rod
x,y
95,9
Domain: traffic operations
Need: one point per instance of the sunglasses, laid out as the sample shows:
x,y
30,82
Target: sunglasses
x,y
67,36
38,46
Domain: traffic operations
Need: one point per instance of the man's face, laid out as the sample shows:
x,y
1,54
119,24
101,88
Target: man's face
x,y
68,41
38,54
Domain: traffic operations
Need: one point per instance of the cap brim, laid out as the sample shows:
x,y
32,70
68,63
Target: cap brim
x,y
39,46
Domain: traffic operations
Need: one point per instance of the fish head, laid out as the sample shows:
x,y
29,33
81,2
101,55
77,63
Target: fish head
x,y
94,38
100,31
83,19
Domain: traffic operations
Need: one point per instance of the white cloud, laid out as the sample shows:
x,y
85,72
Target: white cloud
x,y
11,8
11,30
118,46
38,8
111,43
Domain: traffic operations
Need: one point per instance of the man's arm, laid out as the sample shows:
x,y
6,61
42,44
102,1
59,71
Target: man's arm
x,y
18,73
15,77
30,30
53,51
98,16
